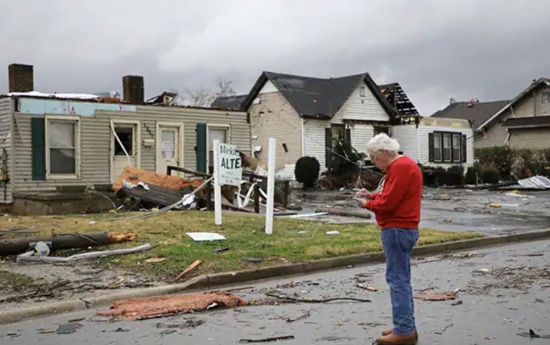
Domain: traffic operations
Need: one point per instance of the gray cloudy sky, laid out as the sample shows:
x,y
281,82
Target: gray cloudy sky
x,y
488,49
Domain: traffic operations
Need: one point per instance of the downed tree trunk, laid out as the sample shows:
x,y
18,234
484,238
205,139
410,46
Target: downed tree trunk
x,y
134,176
64,241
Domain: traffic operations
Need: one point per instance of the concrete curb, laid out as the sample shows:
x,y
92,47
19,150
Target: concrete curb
x,y
229,278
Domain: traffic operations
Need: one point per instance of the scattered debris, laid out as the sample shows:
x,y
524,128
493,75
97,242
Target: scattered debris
x,y
436,297
154,260
205,236
121,330
368,288
220,250
356,212
533,335
188,323
326,300
188,269
333,233
255,260
266,340
457,303
153,307
68,328
65,241
301,317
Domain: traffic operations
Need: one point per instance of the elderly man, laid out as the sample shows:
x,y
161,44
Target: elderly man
x,y
397,210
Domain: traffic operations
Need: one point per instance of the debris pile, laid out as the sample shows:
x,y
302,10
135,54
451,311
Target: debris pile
x,y
152,307
353,177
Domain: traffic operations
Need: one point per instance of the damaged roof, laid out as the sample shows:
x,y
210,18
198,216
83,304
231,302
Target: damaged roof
x,y
229,102
316,97
398,99
476,113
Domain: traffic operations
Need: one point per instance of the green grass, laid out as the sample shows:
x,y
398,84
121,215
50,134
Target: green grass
x,y
244,233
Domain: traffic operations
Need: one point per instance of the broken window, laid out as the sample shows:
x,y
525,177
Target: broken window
x,y
62,146
126,136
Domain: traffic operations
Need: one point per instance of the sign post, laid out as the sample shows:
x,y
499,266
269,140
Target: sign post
x,y
270,185
227,171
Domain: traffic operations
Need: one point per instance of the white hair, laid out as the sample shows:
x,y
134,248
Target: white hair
x,y
382,142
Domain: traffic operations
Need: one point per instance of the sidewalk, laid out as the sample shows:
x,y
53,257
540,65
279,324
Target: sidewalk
x,y
504,291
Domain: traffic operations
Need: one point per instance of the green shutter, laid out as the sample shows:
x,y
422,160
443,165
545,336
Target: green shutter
x,y
38,143
430,147
464,148
328,146
202,147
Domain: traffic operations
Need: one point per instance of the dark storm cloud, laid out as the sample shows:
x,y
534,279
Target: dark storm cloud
x,y
436,49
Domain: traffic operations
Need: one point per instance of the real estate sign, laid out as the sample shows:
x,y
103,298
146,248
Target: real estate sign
x,y
230,167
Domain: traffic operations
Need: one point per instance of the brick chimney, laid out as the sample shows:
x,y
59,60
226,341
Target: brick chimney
x,y
21,78
133,89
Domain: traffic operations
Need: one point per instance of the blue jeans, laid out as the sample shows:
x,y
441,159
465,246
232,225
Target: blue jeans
x,y
398,244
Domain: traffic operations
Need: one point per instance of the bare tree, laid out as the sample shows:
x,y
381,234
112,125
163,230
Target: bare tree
x,y
203,97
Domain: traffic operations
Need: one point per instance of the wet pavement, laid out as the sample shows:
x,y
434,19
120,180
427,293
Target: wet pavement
x,y
491,213
505,291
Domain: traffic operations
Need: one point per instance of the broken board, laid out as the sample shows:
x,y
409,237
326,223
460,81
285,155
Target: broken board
x,y
134,176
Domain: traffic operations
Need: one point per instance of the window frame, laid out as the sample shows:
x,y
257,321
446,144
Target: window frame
x,y
545,97
77,145
362,91
439,136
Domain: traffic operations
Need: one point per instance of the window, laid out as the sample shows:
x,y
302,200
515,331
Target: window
x,y
62,139
447,147
126,136
545,97
362,91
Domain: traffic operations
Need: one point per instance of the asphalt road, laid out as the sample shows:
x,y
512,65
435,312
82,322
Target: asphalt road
x,y
504,291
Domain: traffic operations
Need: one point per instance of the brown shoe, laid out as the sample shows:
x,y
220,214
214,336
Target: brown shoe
x,y
390,331
394,339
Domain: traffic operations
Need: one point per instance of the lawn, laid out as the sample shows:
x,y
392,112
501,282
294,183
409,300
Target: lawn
x,y
292,239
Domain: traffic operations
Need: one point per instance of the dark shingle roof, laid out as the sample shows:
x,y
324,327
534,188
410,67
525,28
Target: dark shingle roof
x,y
477,113
229,102
316,97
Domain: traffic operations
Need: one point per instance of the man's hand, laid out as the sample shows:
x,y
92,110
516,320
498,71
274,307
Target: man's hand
x,y
365,194
362,202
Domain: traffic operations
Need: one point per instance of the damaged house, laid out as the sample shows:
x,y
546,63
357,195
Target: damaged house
x,y
55,146
307,115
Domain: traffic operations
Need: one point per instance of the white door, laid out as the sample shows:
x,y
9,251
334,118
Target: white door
x,y
215,133
168,148
122,158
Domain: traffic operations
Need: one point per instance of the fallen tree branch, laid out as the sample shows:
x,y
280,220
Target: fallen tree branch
x,y
266,340
325,300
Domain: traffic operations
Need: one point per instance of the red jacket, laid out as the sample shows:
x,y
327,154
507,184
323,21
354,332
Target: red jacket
x,y
397,205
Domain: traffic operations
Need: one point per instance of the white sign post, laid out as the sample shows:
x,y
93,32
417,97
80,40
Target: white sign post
x,y
270,185
227,171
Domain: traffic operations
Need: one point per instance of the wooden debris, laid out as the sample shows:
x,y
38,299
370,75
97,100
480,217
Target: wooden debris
x,y
153,307
64,241
135,175
434,296
188,269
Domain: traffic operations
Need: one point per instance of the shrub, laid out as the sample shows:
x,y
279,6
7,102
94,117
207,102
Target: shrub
x,y
490,175
501,157
471,173
455,175
307,171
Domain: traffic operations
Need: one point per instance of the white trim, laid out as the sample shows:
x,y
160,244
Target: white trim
x,y
303,137
137,154
215,125
513,102
77,146
181,154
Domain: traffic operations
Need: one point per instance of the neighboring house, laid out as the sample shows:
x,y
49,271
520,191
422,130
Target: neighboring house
x,y
52,142
306,115
477,113
437,142
524,122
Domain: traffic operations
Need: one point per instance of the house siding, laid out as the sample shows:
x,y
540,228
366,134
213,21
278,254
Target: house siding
x,y
414,143
314,132
495,135
6,195
360,136
95,142
533,138
274,116
362,108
